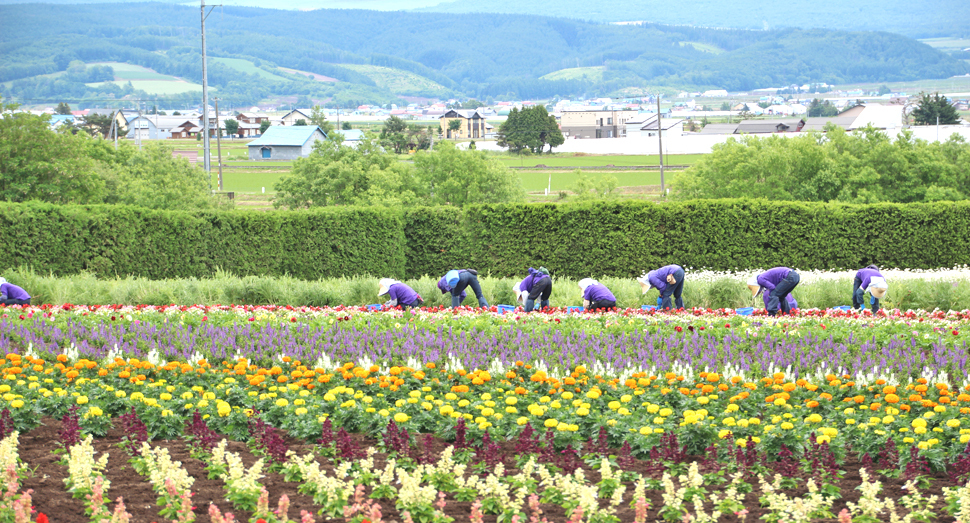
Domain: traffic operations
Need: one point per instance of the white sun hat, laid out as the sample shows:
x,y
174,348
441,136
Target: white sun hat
x,y
754,286
586,282
385,284
644,283
878,287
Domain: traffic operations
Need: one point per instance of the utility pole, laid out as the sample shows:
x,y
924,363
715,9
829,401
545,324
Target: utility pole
x,y
140,123
660,147
219,143
205,103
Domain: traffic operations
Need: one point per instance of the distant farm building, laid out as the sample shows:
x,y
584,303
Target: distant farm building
x,y
285,143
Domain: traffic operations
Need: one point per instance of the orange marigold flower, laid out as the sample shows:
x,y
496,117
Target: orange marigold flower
x,y
891,398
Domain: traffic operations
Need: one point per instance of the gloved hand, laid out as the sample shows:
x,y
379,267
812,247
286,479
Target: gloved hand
x,y
660,301
872,300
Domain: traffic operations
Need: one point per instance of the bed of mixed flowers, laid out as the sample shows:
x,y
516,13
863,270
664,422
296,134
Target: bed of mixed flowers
x,y
699,382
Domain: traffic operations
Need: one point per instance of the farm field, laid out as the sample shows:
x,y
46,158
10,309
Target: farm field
x,y
609,417
173,86
537,181
248,67
396,80
945,85
593,74
240,180
632,160
947,44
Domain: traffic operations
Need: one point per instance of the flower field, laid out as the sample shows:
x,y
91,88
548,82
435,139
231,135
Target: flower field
x,y
190,412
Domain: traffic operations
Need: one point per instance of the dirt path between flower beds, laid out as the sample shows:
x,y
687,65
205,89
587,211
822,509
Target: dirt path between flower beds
x,y
51,497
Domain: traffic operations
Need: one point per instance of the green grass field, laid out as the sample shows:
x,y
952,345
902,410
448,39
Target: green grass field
x,y
944,85
247,181
125,72
947,44
594,74
535,181
599,161
245,66
396,80
158,86
706,48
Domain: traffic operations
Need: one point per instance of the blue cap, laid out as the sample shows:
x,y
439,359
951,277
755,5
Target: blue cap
x,y
452,278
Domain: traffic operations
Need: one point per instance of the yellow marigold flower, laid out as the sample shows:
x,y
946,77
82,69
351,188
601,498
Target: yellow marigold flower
x,y
582,412
164,396
282,402
401,417
522,420
953,423
300,411
551,423
17,404
663,412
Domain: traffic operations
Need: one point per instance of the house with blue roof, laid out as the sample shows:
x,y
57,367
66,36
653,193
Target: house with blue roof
x,y
285,142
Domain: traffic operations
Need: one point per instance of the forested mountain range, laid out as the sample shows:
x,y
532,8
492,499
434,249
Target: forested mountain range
x,y
918,19
476,55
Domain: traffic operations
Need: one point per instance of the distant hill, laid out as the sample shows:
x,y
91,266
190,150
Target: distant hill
x,y
922,19
375,57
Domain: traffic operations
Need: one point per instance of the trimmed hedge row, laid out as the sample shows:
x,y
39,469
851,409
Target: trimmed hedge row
x,y
119,240
575,240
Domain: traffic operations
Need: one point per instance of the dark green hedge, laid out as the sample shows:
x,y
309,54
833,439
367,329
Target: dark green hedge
x,y
119,240
574,240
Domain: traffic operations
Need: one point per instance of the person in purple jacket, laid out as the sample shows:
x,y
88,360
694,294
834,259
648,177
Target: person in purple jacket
x,y
792,304
779,282
538,284
10,294
872,280
455,281
596,295
669,280
399,294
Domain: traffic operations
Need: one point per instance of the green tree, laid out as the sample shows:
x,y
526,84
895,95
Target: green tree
x,y
587,188
153,178
862,167
346,126
531,129
263,126
37,163
394,134
824,109
62,108
449,176
231,126
932,107
318,117
336,174
454,126
301,122
98,124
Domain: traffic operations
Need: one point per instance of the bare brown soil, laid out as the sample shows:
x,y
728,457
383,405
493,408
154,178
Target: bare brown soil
x,y
50,497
